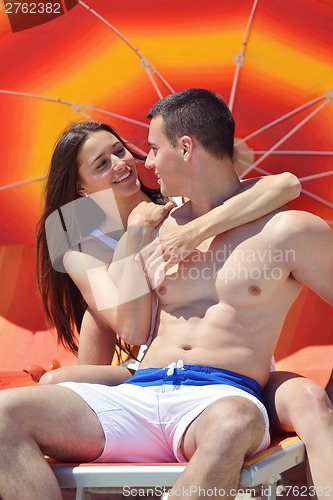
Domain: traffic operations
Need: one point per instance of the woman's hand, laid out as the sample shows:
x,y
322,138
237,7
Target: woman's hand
x,y
141,222
167,250
170,248
148,214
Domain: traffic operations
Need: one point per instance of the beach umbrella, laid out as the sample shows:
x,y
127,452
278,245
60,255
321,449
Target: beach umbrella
x,y
271,60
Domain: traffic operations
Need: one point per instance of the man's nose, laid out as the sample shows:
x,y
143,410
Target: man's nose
x,y
149,163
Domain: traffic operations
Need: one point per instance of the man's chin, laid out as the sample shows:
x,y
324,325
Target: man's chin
x,y
164,190
167,192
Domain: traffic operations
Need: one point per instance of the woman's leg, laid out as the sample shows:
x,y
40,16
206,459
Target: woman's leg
x,y
329,388
93,374
297,404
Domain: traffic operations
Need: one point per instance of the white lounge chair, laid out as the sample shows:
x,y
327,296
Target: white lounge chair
x,y
261,471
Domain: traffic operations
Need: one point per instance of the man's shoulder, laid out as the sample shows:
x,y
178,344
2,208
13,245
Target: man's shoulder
x,y
297,219
176,217
295,222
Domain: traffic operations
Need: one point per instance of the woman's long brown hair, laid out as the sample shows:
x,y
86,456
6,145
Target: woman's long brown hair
x,y
62,301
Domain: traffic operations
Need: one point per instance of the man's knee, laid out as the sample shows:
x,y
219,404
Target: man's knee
x,y
232,425
234,413
10,415
8,401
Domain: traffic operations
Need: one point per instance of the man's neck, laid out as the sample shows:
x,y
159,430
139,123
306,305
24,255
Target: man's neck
x,y
209,193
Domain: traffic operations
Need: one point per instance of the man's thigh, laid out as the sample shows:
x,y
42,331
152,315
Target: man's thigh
x,y
61,423
230,423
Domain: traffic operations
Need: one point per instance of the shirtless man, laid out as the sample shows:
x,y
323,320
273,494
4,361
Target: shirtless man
x,y
196,395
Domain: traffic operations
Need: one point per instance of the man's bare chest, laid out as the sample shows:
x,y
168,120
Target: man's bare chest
x,y
228,268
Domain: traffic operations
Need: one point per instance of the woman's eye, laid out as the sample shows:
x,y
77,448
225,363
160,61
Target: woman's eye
x,y
120,152
101,165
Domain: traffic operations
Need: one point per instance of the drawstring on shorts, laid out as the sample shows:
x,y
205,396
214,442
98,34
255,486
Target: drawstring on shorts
x,y
171,368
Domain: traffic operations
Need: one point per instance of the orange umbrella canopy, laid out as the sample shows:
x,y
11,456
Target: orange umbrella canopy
x,y
110,61
104,59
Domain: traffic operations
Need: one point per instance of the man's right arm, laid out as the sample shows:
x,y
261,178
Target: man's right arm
x,y
311,240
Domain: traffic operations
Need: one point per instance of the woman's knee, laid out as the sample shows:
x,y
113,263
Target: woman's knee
x,y
56,376
316,404
51,377
305,406
312,399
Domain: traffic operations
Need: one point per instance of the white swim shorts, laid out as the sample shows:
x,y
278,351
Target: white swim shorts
x,y
145,418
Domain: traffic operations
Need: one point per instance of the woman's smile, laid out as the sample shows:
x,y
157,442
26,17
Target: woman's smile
x,y
123,177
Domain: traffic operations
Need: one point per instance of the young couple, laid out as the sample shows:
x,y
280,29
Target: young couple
x,y
196,395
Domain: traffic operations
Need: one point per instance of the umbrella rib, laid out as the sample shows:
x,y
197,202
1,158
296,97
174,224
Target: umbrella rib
x,y
284,138
115,115
287,152
301,179
21,183
315,176
239,59
148,67
283,117
317,198
150,74
304,191
75,107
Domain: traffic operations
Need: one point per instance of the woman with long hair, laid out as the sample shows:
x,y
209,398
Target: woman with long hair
x,y
64,306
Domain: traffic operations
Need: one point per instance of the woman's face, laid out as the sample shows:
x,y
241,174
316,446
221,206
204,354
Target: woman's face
x,y
103,162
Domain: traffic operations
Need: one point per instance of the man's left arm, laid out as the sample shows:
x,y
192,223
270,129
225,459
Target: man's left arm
x,y
256,198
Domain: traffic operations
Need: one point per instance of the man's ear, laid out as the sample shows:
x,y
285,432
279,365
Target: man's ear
x,y
186,144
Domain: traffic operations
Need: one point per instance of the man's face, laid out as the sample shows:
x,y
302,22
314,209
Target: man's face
x,y
165,159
